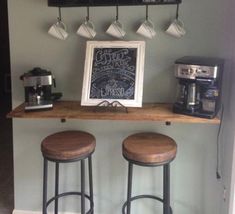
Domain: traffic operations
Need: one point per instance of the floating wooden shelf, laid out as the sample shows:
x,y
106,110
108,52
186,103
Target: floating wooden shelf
x,y
73,110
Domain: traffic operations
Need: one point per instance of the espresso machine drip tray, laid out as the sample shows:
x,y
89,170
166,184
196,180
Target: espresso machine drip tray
x,y
39,106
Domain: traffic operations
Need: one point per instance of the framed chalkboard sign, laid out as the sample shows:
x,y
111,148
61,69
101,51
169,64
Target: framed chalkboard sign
x,y
113,71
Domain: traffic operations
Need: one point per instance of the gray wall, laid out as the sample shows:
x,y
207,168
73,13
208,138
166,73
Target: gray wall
x,y
195,189
227,137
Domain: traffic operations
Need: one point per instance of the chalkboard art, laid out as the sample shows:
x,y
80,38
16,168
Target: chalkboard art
x,y
114,72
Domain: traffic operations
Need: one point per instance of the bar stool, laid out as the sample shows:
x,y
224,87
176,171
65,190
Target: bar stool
x,y
65,147
149,149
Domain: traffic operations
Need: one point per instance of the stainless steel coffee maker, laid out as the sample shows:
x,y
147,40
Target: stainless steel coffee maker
x,y
199,88
38,89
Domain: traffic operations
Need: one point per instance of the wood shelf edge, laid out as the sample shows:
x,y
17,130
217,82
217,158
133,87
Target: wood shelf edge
x,y
159,112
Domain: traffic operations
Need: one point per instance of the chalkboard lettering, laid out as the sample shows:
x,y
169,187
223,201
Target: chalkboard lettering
x,y
113,73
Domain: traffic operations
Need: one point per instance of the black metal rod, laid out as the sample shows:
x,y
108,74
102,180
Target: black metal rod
x,y
44,199
88,14
117,13
57,195
141,197
177,11
56,186
68,194
82,187
166,189
91,182
129,187
91,3
60,16
147,12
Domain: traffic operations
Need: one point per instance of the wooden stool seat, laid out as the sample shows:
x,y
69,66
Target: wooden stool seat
x,y
68,145
149,148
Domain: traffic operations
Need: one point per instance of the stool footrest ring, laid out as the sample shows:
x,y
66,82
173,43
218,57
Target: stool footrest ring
x,y
142,196
72,193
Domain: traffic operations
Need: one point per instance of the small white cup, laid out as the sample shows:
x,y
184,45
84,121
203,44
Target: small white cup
x,y
116,30
146,29
58,30
176,29
87,30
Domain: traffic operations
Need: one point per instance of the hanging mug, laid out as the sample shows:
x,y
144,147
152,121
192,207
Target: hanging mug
x,y
58,30
176,29
116,30
87,30
146,29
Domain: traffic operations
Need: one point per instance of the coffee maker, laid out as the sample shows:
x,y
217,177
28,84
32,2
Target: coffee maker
x,y
38,89
199,86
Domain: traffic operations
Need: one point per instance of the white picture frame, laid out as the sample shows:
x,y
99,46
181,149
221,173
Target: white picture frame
x,y
113,71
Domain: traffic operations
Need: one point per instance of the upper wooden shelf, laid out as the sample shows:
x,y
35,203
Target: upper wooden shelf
x,y
73,110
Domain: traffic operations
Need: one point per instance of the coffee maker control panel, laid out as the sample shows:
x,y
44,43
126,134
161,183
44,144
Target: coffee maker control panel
x,y
195,71
38,80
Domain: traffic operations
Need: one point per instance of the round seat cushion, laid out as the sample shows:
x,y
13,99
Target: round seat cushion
x,y
68,145
149,148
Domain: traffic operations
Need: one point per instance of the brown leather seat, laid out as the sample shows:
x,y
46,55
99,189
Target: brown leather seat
x,y
68,145
149,148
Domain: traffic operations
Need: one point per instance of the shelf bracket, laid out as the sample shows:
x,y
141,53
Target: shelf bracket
x,y
168,123
63,120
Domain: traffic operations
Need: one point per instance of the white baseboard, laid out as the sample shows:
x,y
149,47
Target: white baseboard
x,y
36,212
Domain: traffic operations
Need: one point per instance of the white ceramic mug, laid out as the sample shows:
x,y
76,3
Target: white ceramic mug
x,y
87,30
176,29
58,30
146,29
116,30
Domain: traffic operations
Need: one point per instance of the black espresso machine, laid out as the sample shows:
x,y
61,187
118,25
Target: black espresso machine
x,y
199,86
38,89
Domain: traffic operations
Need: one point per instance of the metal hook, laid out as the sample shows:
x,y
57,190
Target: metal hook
x,y
59,18
177,11
117,13
147,12
88,14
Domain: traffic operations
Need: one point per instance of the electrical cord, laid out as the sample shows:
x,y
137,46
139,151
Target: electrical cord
x,y
218,162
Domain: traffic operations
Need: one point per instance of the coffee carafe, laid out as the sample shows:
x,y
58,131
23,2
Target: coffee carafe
x,y
199,86
187,95
38,89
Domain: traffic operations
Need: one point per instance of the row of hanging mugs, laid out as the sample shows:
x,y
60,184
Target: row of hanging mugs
x,y
146,28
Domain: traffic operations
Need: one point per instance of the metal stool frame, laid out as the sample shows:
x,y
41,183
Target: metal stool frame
x,y
166,186
57,195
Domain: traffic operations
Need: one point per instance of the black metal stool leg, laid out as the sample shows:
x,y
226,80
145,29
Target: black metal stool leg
x,y
44,200
166,190
82,187
56,186
129,187
91,182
